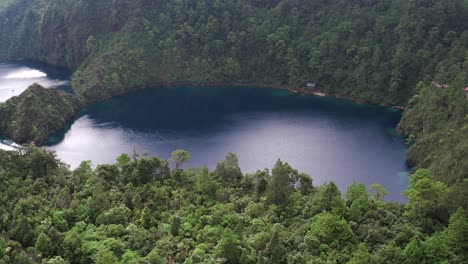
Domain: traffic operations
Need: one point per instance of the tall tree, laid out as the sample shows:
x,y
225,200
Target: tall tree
x,y
229,170
179,157
278,188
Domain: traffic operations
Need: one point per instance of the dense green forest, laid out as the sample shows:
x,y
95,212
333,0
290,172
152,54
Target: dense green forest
x,y
391,52
375,51
365,49
436,123
138,210
36,113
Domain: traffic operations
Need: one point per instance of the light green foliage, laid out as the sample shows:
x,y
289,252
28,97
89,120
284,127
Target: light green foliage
x,y
378,191
123,213
414,252
361,255
205,183
179,157
229,247
327,198
457,233
44,245
106,257
357,199
57,260
426,197
331,231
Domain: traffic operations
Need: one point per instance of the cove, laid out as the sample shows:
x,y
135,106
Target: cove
x,y
16,76
330,139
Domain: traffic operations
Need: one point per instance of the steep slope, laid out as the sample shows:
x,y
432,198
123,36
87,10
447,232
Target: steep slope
x,y
370,50
436,123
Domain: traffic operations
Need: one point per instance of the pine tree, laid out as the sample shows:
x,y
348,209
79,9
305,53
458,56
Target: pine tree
x,y
278,188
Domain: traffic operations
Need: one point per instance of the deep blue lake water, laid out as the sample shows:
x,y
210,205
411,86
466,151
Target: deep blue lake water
x,y
332,140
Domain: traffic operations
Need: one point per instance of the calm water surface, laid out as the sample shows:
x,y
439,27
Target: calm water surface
x,y
16,76
329,139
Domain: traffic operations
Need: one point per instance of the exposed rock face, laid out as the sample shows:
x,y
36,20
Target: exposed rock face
x,y
36,113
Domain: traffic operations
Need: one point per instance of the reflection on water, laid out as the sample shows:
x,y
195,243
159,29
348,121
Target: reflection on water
x,y
15,77
329,139
25,73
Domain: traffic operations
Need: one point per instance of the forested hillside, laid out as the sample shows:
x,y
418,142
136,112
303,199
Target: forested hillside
x,y
32,116
139,211
370,50
436,123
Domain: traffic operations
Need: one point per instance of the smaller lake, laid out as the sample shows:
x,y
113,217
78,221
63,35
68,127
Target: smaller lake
x,y
17,76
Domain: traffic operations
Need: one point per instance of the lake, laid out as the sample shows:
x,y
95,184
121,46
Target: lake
x,y
16,76
330,139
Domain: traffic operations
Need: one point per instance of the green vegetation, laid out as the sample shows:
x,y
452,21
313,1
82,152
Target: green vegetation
x,y
179,157
391,52
139,211
375,51
369,50
436,123
36,113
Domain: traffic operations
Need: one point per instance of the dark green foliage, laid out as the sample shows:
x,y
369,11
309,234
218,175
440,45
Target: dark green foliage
x,y
175,227
279,185
36,113
275,250
436,123
138,211
374,51
228,170
121,214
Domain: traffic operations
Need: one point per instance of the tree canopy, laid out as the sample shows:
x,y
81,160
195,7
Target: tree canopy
x,y
139,211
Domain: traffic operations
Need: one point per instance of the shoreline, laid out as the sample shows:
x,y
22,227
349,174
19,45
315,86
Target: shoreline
x,y
295,90
83,102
